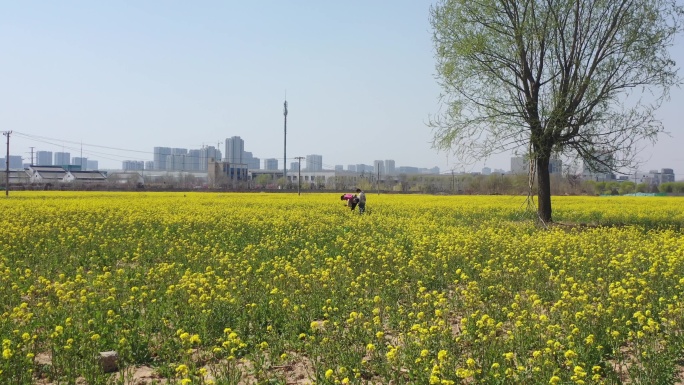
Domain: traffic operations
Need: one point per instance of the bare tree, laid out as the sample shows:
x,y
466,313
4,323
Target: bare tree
x,y
552,77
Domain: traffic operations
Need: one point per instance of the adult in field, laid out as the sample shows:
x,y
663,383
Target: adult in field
x,y
351,199
362,200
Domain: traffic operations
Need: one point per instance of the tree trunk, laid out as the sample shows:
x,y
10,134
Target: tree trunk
x,y
543,189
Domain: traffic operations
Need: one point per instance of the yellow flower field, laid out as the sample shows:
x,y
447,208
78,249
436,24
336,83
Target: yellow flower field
x,y
222,288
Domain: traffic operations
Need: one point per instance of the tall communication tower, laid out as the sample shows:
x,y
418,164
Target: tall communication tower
x,y
285,141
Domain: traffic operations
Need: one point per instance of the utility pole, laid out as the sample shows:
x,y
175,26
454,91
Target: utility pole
x,y
31,155
299,174
7,134
377,183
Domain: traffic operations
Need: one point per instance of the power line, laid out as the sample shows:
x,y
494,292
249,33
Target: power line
x,y
104,155
51,141
36,137
48,140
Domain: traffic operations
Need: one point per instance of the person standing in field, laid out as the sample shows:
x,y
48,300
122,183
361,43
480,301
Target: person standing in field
x,y
362,200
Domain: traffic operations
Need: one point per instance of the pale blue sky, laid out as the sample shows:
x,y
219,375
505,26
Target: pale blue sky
x,y
139,74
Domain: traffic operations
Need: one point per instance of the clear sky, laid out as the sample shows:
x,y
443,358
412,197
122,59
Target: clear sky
x,y
132,75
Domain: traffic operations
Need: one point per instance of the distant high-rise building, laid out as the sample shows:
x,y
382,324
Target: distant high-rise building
x,y
80,161
178,159
15,162
271,164
235,147
168,162
486,171
408,170
93,164
520,165
314,162
193,160
206,153
294,166
132,165
160,154
339,167
655,177
44,158
364,168
62,159
251,162
149,165
599,168
555,166
390,168
351,167
379,167
667,175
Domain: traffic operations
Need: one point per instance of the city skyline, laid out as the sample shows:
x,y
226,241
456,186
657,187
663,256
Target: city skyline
x,y
193,158
360,85
160,154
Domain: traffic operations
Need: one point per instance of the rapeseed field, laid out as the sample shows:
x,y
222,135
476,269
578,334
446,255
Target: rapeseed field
x,y
222,288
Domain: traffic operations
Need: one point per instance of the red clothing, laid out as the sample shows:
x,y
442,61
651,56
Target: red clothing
x,y
347,197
